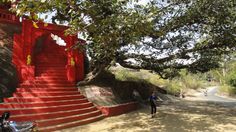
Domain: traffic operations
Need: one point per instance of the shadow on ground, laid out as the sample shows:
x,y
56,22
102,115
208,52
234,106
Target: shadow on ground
x,y
175,117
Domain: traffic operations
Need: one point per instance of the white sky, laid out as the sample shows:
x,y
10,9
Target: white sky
x,y
143,2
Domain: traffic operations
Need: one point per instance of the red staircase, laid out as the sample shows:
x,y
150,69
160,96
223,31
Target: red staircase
x,y
50,100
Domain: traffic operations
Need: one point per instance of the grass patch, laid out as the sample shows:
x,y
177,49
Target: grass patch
x,y
227,90
175,86
191,81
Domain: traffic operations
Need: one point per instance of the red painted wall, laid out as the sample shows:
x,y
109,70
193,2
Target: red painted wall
x,y
25,42
118,109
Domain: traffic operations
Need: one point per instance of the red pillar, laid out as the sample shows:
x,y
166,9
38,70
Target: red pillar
x,y
27,70
75,64
70,67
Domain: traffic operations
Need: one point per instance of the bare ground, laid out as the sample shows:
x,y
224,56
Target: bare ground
x,y
179,116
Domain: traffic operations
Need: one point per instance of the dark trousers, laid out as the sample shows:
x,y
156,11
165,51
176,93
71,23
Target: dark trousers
x,y
153,108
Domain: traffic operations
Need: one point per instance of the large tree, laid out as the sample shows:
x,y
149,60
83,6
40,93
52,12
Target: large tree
x,y
161,36
190,34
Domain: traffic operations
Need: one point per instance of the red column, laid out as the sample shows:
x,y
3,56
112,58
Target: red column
x,y
75,64
70,67
27,70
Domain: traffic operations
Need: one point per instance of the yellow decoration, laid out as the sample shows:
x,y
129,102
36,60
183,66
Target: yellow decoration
x,y
72,62
35,25
28,59
45,24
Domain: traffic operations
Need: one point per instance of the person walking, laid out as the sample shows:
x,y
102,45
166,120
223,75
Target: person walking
x,y
152,100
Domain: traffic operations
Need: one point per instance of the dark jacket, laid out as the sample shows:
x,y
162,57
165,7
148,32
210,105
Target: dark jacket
x,y
152,99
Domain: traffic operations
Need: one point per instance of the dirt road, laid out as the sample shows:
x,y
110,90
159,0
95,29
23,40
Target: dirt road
x,y
179,116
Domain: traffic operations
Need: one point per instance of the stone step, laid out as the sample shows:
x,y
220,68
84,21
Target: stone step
x,y
51,89
47,109
43,94
57,121
71,124
52,115
40,85
42,81
15,105
40,99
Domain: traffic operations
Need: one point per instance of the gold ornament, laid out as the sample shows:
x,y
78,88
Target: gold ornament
x,y
28,60
72,62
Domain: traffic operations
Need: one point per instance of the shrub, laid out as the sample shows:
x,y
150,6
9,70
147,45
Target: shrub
x,y
228,90
231,79
191,81
174,87
156,80
126,75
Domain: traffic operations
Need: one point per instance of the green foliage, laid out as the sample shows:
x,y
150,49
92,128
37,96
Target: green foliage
x,y
156,80
191,81
217,76
228,90
192,31
226,75
182,83
126,75
141,75
231,78
162,36
174,87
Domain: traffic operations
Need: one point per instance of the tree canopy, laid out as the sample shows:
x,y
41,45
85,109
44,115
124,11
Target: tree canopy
x,y
161,36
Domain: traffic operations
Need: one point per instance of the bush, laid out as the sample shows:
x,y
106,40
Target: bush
x,y
230,87
173,87
126,75
231,79
191,82
176,86
156,80
228,90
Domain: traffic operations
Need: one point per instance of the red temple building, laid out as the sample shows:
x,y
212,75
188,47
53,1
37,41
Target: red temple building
x,y
47,73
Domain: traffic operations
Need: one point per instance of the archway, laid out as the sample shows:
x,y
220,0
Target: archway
x,y
49,50
25,53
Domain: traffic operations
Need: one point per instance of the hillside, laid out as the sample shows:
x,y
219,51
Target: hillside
x,y
108,90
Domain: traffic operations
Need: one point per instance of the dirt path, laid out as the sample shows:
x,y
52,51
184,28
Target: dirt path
x,y
180,116
212,95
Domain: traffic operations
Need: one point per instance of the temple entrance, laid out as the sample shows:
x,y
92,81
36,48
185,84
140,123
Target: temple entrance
x,y
50,56
37,48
